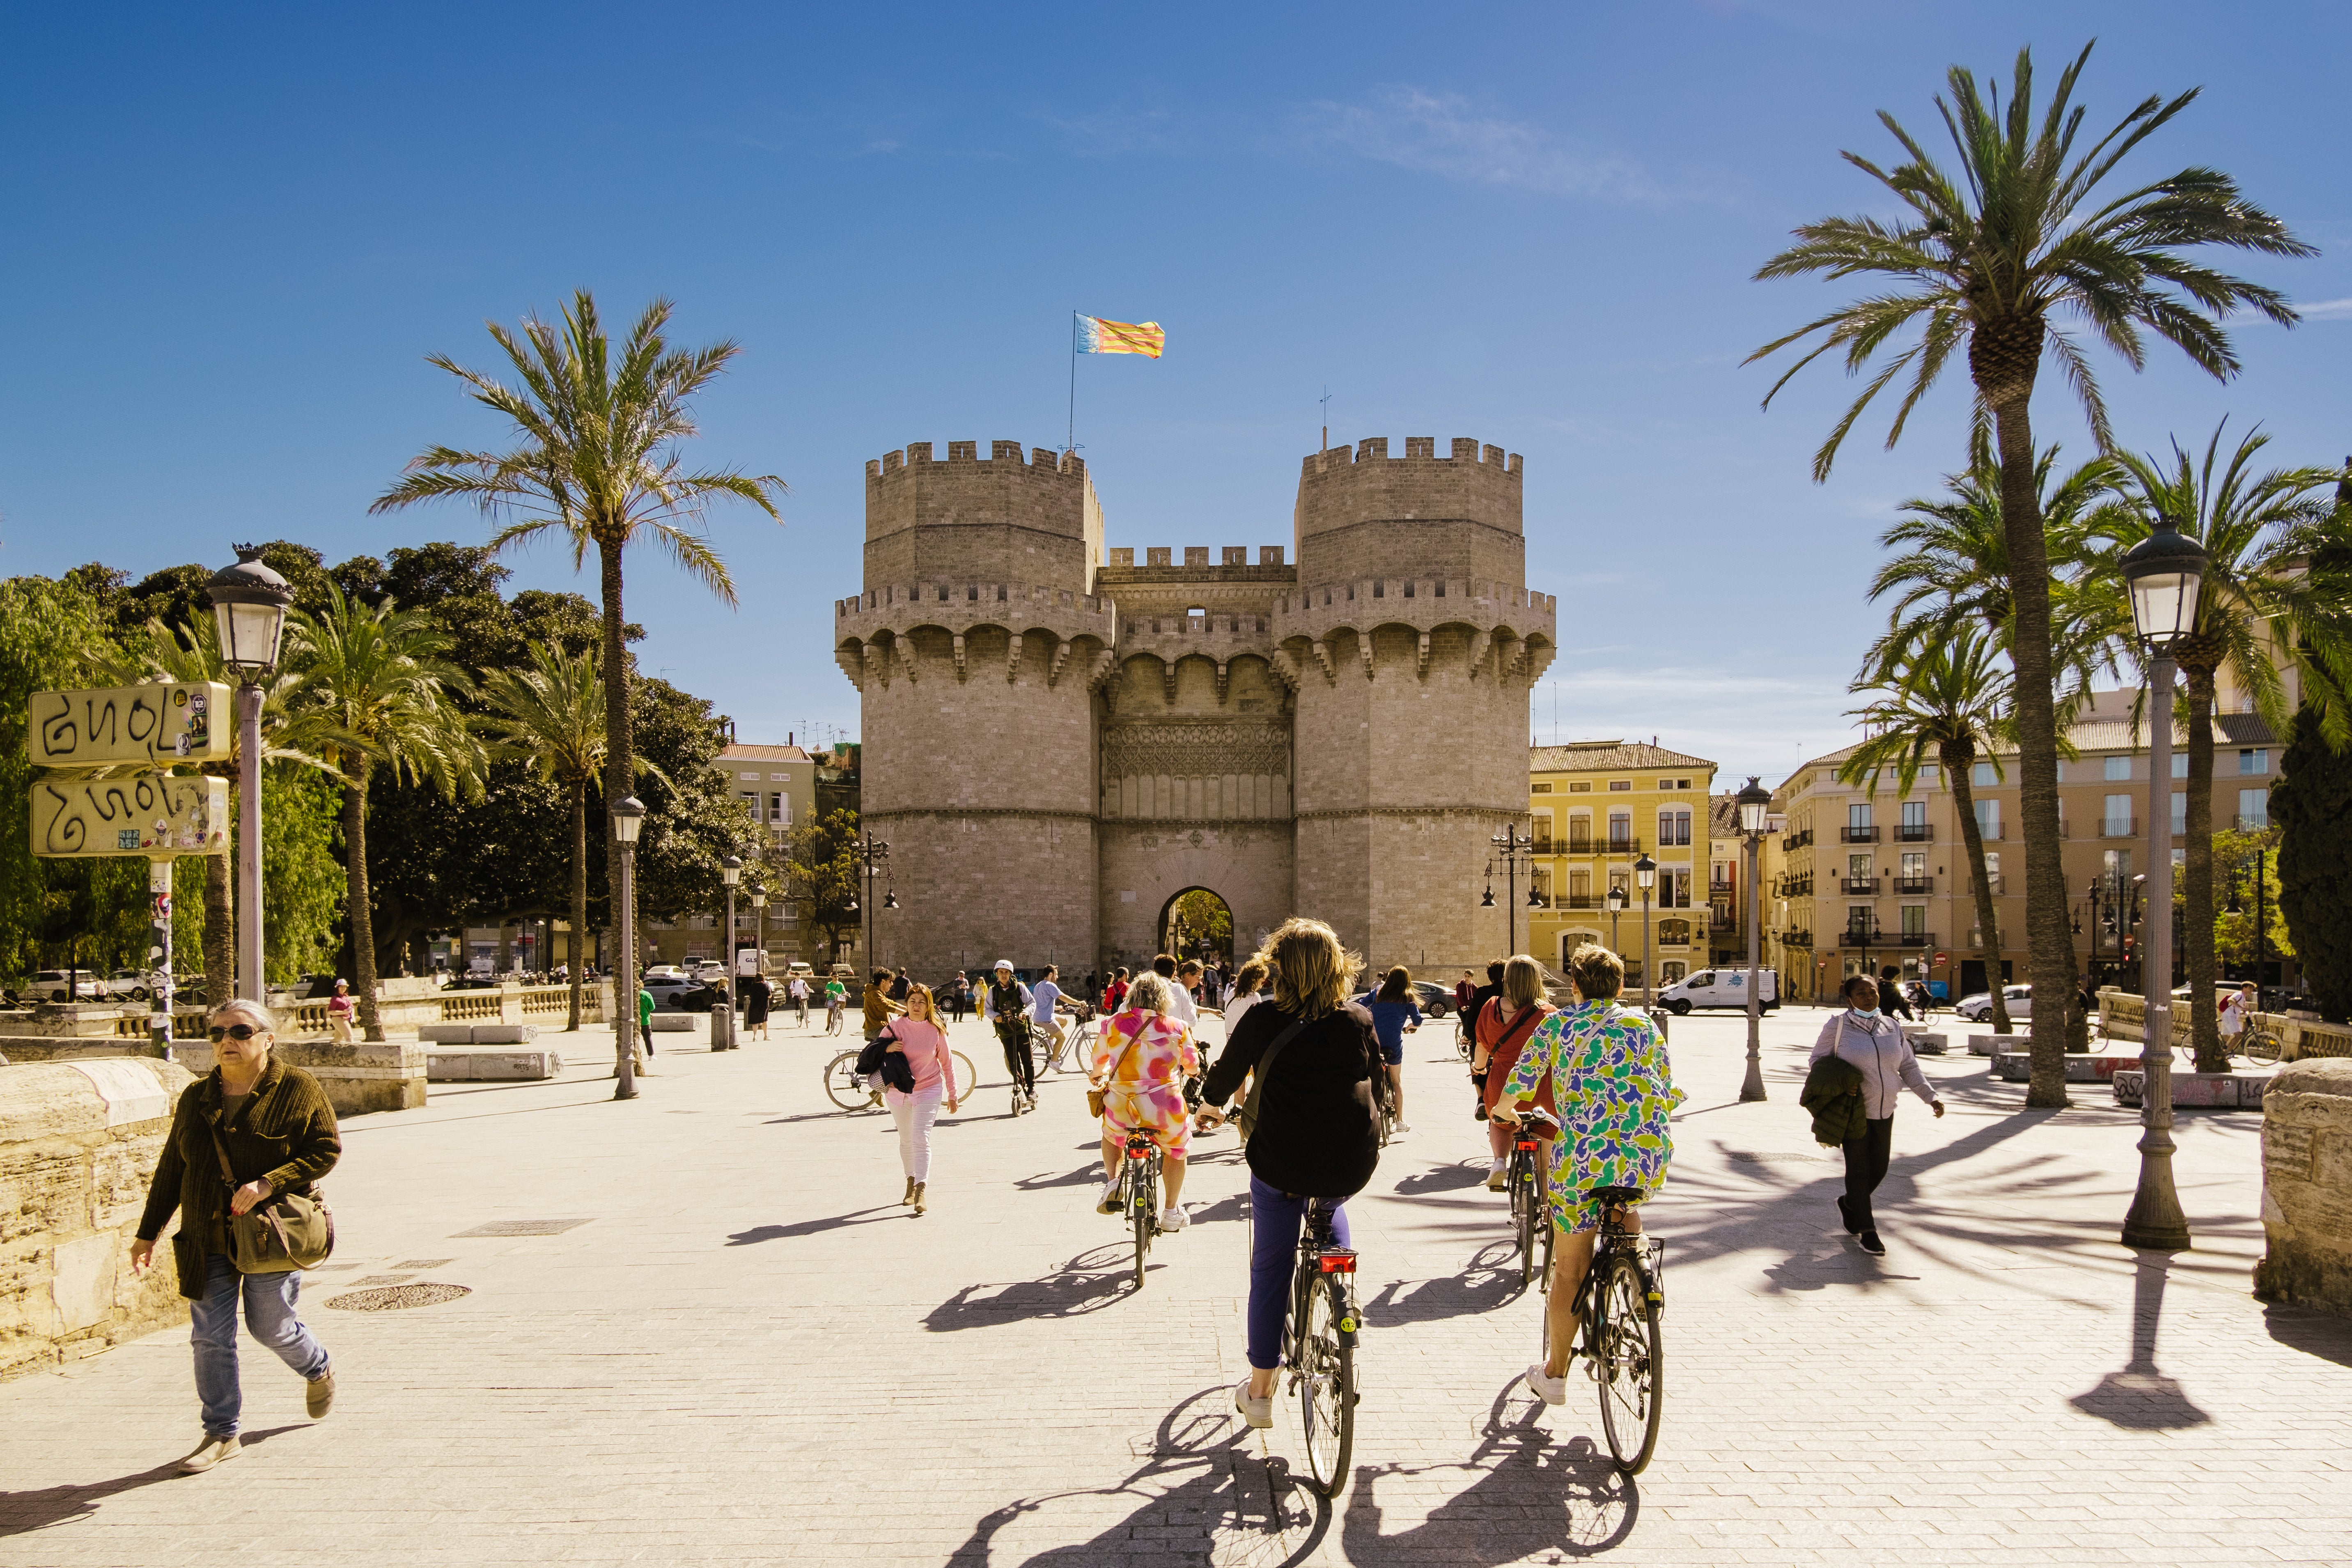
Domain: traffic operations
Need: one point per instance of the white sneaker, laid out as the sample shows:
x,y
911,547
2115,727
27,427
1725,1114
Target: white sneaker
x,y
1108,1202
1496,1177
1174,1219
1550,1389
1259,1412
1400,1130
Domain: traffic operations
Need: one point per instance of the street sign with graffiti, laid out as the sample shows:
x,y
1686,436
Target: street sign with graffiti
x,y
156,725
142,814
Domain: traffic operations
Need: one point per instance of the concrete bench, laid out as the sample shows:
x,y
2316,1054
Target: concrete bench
x,y
673,1023
473,1064
1929,1043
477,1033
2197,1090
2017,1067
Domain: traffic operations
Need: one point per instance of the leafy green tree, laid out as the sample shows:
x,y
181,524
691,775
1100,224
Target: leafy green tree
x,y
693,815
1986,265
1947,696
48,632
377,676
2311,809
822,885
2245,919
302,881
599,468
2261,605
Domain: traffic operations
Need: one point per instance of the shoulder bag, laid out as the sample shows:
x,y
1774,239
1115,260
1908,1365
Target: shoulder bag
x,y
1246,1118
1099,1098
286,1232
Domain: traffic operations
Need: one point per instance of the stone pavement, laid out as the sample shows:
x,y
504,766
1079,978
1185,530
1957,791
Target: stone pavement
x,y
747,1352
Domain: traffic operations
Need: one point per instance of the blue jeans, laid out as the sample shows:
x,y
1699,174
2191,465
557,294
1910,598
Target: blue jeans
x,y
1274,1219
269,1317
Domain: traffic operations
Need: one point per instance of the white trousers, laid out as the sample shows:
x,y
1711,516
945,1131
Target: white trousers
x,y
914,1113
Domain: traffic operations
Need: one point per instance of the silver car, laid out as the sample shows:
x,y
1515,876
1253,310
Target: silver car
x,y
2017,999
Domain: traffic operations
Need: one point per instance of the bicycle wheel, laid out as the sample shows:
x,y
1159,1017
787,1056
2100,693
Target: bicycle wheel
x,y
2261,1045
842,1085
1543,1268
1527,1209
1326,1385
1630,1364
1141,1199
967,1076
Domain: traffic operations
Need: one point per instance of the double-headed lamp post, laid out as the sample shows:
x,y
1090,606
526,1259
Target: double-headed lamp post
x,y
1616,906
628,819
2164,572
1513,846
722,1037
1645,877
249,603
873,856
1755,806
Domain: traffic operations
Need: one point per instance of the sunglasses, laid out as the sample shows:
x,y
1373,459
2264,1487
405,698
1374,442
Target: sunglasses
x,y
234,1032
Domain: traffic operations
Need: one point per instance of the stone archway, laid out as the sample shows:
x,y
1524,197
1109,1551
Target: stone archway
x,y
1197,922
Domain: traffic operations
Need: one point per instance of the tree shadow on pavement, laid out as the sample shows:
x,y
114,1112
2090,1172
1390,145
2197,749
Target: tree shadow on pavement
x,y
1202,1493
811,1226
1085,1176
1485,1283
1092,1280
23,1513
1530,1500
2140,1397
1443,1178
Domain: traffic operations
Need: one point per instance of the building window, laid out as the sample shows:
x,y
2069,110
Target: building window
x,y
1584,787
2116,816
1988,818
1931,777
2115,865
1914,820
2255,760
2180,763
1580,889
1674,827
2118,769
2253,809
1859,919
1621,783
1915,919
1674,934
1984,775
1858,867
1669,972
2180,812
1674,887
1620,830
1915,864
1993,871
1542,789
1580,832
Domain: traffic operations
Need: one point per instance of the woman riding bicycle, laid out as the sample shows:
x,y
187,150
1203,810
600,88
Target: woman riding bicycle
x,y
1313,1138
1141,1059
1608,1070
1501,1031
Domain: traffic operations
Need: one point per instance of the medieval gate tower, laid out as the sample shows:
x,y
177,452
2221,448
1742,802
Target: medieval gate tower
x,y
1058,741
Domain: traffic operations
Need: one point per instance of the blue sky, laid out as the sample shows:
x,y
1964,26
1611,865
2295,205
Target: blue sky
x,y
231,239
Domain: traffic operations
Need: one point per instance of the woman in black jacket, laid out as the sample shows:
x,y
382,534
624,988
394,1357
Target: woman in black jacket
x,y
1315,1135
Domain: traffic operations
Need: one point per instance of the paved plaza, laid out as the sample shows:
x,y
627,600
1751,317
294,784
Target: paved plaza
x,y
746,1352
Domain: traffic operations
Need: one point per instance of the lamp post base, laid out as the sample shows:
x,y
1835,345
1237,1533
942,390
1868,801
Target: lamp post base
x,y
1752,1087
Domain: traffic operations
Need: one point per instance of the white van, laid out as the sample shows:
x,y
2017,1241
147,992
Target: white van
x,y
1720,988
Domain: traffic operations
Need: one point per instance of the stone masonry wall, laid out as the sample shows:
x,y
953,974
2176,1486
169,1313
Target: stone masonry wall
x,y
992,519
78,1143
1365,514
2307,1186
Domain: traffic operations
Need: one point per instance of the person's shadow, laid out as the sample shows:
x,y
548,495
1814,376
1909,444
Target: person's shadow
x,y
2140,1397
24,1512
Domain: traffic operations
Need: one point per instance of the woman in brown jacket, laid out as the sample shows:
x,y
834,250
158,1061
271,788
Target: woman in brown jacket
x,y
278,1133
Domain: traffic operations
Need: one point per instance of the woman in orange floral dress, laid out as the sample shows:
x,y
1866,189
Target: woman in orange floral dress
x,y
1141,1062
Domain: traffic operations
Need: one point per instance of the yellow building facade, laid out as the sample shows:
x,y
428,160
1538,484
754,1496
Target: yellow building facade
x,y
1594,808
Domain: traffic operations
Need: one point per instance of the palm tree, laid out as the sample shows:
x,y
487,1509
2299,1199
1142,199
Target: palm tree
x,y
599,467
2260,607
376,680
1986,264
188,652
552,716
1947,697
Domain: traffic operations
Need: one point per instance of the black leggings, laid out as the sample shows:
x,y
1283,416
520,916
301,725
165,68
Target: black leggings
x,y
1018,1058
1865,1167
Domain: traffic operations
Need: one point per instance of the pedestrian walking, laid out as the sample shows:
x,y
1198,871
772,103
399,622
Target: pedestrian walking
x,y
1142,1057
1114,995
879,1008
1505,1021
960,995
901,985
1395,1014
271,1126
1249,990
1864,1037
1187,981
1313,1138
645,1026
917,1035
339,1013
757,989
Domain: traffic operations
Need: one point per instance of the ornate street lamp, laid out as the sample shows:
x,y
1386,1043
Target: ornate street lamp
x,y
722,1035
1513,846
628,819
2164,572
1755,806
873,855
249,604
1616,906
760,919
1645,877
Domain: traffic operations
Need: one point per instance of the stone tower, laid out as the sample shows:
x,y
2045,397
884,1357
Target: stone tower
x,y
1058,741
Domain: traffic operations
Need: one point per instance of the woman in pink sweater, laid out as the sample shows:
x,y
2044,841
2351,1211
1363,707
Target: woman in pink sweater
x,y
918,1037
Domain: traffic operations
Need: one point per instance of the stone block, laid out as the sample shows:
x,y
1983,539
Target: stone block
x,y
2197,1090
477,1064
2307,1186
2017,1067
505,1034
673,1023
1992,1045
446,1034
1929,1043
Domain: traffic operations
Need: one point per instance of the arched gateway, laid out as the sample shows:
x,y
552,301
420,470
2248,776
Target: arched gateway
x,y
1058,743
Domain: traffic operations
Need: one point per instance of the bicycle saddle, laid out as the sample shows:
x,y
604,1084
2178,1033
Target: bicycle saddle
x,y
1616,1197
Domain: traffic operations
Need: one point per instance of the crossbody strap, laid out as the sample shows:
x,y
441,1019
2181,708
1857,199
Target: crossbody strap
x,y
1264,1065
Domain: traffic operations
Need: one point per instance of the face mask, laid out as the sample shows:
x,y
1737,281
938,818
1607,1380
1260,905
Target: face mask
x,y
1859,1015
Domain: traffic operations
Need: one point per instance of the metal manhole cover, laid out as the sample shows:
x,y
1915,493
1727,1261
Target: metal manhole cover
x,y
412,1265
393,1298
521,1227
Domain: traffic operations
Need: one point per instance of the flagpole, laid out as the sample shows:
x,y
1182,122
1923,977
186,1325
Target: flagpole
x,y
1071,440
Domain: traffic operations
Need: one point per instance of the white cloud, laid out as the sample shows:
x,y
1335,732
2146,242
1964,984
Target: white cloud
x,y
2326,310
1446,136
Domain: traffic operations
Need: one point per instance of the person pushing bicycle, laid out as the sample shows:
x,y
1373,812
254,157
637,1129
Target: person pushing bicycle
x,y
1006,1003
1609,1077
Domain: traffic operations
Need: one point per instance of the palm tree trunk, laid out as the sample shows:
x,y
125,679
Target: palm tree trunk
x,y
1957,760
620,763
579,896
220,931
355,883
2197,888
2003,356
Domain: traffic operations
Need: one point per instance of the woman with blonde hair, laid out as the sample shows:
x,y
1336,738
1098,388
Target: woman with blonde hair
x,y
917,1036
1605,1066
1314,1136
1500,1032
1142,1056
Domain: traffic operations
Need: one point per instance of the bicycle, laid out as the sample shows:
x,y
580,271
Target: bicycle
x,y
1529,1191
1070,1056
1318,1347
1619,1306
846,1085
1139,1182
2257,1043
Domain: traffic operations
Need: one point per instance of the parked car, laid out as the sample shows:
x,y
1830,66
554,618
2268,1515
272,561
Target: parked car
x,y
665,971
55,985
707,970
1721,988
138,985
2017,999
680,993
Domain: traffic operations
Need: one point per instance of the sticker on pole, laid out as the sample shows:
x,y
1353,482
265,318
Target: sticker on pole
x,y
146,814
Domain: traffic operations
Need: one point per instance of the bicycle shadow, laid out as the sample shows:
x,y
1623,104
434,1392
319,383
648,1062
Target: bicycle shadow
x,y
1531,1500
1092,1280
1490,1279
1203,1495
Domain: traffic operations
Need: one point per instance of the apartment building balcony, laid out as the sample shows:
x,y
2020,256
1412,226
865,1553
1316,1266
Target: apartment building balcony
x,y
1630,845
2244,824
2119,827
1722,920
1852,835
1914,833
1910,939
1797,888
1993,835
1915,884
1796,841
1795,938
1583,901
1858,887
1850,937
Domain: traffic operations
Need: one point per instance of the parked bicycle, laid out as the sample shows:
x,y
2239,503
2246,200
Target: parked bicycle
x,y
1139,1179
1319,1348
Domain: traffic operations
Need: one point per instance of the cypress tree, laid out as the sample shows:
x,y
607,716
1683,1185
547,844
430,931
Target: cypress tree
x,y
2312,808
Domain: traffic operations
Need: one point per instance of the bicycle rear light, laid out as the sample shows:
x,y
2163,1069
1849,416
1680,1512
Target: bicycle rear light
x,y
1528,1144
1338,1261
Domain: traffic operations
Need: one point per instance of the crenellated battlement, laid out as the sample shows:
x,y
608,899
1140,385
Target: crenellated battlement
x,y
1005,518
1360,510
1467,450
1043,462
